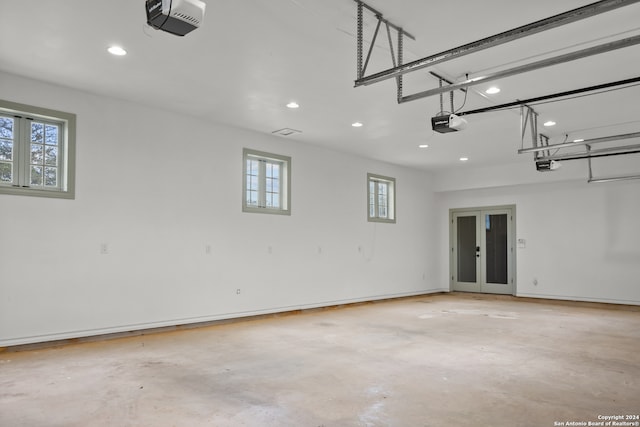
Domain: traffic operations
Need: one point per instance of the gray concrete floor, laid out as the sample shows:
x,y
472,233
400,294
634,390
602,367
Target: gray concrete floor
x,y
443,360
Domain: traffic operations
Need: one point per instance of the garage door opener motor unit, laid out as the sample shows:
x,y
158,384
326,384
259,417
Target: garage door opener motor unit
x,y
449,123
178,17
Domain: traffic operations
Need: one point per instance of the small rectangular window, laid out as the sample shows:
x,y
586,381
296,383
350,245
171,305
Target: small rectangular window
x,y
381,198
37,151
266,183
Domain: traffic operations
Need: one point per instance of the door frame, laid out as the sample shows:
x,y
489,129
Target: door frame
x,y
512,242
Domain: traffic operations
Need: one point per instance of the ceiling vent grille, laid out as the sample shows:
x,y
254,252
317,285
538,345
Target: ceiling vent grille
x,y
286,132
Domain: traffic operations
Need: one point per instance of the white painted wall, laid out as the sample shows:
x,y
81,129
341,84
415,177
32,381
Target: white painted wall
x,y
524,172
581,239
55,283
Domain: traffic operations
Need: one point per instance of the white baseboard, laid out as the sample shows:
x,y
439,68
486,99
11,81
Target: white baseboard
x,y
170,323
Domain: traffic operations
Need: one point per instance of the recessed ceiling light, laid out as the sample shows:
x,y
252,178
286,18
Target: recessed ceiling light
x,y
492,90
423,146
550,123
464,159
293,104
117,50
356,124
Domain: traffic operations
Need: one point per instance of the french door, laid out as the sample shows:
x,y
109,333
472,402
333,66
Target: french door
x,y
482,250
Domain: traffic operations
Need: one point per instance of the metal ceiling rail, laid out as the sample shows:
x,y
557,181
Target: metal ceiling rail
x,y
551,96
495,40
614,178
602,152
572,56
609,178
578,143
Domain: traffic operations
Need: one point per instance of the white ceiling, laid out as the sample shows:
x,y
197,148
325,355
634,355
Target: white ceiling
x,y
252,57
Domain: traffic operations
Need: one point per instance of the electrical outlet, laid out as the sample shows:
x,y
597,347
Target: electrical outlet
x,y
238,291
535,282
104,248
207,249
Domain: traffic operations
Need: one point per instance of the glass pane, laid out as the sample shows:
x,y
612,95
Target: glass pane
x,y
382,209
372,199
6,149
50,177
382,199
382,188
273,200
273,170
6,127
37,132
37,154
252,167
36,175
252,198
253,183
496,251
51,135
273,185
251,194
382,206
6,172
51,156
467,249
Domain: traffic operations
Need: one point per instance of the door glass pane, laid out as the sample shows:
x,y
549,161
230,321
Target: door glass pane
x,y
467,249
496,250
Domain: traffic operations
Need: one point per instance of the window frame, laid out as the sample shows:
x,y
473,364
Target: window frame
x,y
284,190
22,145
391,198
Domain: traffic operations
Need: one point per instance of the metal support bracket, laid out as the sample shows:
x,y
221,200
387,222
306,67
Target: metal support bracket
x,y
543,153
544,143
606,179
555,21
529,121
397,60
400,68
